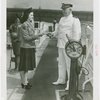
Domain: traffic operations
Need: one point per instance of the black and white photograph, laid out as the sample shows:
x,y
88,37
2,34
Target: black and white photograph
x,y
49,50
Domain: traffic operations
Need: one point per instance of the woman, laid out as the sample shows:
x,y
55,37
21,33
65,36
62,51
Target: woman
x,y
15,41
27,47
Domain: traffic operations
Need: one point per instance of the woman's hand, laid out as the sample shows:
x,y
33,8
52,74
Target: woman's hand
x,y
50,35
40,35
45,33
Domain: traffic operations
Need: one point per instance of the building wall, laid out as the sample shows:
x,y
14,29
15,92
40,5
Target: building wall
x,y
46,15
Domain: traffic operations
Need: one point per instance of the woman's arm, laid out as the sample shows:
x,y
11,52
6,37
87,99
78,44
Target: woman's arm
x,y
25,33
36,36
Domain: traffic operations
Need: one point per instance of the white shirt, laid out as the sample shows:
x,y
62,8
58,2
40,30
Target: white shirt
x,y
70,26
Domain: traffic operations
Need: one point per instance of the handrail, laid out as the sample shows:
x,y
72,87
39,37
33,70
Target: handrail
x,y
90,28
87,24
88,33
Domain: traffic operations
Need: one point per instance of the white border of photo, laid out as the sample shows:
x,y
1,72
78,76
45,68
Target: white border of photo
x,y
3,82
96,50
3,87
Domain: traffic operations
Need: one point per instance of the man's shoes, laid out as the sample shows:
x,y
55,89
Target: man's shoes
x,y
58,83
67,87
28,86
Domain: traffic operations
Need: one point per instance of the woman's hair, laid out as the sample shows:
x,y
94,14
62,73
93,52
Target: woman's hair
x,y
26,14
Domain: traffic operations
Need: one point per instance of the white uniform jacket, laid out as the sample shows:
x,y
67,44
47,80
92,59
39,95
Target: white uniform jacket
x,y
70,26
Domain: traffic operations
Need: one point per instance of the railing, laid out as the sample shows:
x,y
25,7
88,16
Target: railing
x,y
88,60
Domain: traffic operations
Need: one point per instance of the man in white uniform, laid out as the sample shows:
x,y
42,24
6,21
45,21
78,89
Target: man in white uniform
x,y
71,26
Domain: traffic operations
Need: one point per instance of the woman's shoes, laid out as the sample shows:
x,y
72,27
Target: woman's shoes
x,y
28,86
22,85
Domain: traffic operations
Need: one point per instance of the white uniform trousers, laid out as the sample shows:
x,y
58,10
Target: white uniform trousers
x,y
63,65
